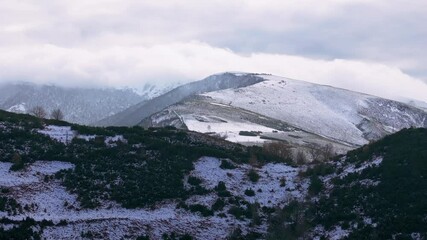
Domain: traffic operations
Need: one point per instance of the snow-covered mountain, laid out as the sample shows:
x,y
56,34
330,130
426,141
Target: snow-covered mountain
x,y
79,105
290,110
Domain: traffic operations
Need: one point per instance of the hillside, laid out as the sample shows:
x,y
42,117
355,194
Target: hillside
x,y
69,181
79,105
61,180
374,192
278,107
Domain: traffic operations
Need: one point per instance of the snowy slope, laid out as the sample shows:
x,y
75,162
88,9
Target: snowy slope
x,y
336,114
203,114
48,200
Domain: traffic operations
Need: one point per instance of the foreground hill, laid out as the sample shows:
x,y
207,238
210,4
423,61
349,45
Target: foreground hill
x,y
290,110
62,181
59,181
375,192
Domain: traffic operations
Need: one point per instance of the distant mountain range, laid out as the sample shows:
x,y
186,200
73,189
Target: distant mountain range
x,y
79,105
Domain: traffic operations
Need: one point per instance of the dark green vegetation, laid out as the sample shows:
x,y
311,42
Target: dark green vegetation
x,y
174,236
20,144
316,185
25,229
147,169
249,192
227,164
253,176
247,133
379,202
197,208
9,205
22,230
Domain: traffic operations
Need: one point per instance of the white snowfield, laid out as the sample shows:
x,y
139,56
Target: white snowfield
x,y
62,134
32,173
375,162
50,201
112,141
269,190
225,128
65,135
327,111
18,108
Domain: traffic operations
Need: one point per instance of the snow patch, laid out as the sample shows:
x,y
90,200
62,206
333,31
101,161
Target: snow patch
x,y
225,128
112,141
19,108
31,174
62,134
352,168
278,183
86,137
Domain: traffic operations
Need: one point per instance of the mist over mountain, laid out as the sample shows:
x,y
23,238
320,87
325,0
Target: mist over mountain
x,y
79,105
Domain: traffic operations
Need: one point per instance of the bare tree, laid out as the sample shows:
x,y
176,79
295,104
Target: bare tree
x,y
38,111
314,152
57,114
253,161
327,152
300,157
321,153
278,149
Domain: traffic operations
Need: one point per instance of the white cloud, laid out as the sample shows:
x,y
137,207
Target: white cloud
x,y
136,65
131,42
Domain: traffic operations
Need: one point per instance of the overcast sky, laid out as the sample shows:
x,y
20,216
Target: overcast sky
x,y
373,46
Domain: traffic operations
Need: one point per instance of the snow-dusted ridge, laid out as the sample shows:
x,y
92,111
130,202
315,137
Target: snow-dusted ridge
x,y
324,110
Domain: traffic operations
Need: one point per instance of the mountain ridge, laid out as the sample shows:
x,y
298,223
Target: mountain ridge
x,y
136,113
